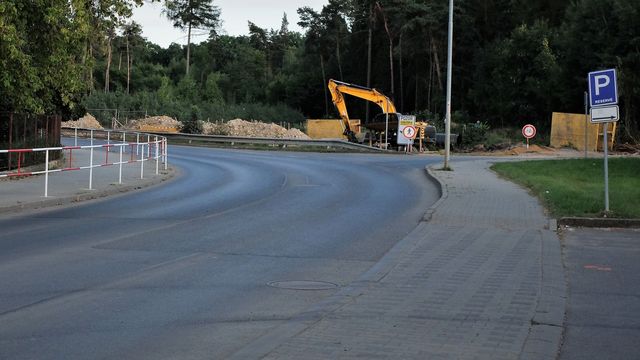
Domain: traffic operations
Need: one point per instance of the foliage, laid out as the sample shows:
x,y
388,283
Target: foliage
x,y
514,62
576,187
473,133
192,14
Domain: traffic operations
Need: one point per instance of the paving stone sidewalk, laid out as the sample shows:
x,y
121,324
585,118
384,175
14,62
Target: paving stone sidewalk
x,y
481,278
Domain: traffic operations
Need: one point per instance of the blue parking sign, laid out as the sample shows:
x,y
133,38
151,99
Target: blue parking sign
x,y
603,88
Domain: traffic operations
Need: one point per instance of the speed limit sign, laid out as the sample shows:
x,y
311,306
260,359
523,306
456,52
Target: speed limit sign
x,y
529,131
409,132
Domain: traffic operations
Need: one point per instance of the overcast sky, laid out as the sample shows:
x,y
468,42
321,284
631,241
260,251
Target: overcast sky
x,y
235,15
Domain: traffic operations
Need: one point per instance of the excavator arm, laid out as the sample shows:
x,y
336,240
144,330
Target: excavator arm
x,y
338,88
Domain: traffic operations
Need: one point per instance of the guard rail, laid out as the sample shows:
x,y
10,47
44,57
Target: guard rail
x,y
232,140
140,151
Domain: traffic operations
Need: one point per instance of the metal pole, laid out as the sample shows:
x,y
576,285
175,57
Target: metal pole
x,y
166,158
157,157
91,169
142,162
447,140
120,165
606,168
75,142
586,123
46,174
386,127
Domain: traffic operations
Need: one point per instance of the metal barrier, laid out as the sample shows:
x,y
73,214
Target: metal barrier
x,y
156,149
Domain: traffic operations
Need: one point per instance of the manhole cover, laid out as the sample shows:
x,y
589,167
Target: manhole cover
x,y
303,285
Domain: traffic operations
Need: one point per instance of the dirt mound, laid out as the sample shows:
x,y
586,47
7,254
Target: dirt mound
x,y
243,128
155,122
506,150
85,122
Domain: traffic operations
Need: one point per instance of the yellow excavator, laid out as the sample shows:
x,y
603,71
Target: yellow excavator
x,y
338,88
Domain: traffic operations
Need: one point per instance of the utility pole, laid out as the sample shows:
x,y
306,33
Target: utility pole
x,y
447,139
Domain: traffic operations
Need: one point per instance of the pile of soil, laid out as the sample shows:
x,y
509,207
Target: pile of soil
x,y
506,150
243,128
85,122
156,121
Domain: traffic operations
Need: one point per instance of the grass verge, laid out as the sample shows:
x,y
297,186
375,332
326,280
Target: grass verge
x,y
576,187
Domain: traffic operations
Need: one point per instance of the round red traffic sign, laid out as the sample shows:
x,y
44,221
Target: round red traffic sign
x,y
529,131
409,132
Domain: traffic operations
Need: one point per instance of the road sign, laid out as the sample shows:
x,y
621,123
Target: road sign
x,y
529,131
403,122
603,88
409,132
605,114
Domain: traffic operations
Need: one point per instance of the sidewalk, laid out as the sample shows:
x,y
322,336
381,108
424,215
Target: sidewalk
x,y
481,278
72,186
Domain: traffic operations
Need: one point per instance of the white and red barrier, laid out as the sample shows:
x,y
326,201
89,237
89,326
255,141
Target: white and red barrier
x,y
156,149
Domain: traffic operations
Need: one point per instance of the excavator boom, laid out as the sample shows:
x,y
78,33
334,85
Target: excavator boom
x,y
338,88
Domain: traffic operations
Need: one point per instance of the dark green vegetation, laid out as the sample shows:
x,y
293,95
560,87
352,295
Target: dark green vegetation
x,y
576,187
515,61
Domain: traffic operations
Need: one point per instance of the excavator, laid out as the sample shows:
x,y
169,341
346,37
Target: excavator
x,y
338,88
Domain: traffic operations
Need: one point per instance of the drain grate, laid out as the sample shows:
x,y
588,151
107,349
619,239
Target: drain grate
x,y
303,285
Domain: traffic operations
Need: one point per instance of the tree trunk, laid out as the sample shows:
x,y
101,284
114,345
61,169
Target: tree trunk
x,y
324,86
430,82
415,99
188,47
338,58
434,51
401,81
106,73
90,70
128,67
120,60
366,117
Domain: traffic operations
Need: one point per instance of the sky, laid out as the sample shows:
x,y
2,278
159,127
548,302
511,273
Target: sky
x,y
234,13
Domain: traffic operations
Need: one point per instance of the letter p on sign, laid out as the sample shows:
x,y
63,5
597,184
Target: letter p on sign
x,y
603,89
601,82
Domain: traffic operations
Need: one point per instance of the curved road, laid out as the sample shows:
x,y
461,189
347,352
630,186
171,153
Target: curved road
x,y
182,270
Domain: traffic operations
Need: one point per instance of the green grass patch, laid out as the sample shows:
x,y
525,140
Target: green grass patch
x,y
576,187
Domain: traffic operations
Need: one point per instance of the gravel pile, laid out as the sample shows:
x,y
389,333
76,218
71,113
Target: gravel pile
x,y
156,121
243,128
85,122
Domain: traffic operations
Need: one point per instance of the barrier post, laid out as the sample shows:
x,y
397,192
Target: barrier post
x,y
120,169
108,139
142,163
165,149
46,173
91,131
157,157
91,168
137,143
75,142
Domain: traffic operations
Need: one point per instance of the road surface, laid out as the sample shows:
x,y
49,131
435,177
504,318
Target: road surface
x,y
207,263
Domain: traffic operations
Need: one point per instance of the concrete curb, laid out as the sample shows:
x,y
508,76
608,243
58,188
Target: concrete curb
x,y
165,175
444,193
545,335
599,222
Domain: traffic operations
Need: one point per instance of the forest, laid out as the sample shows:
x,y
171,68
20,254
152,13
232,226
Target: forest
x,y
514,61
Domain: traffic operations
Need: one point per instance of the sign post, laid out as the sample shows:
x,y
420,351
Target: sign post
x,y
406,130
603,98
528,131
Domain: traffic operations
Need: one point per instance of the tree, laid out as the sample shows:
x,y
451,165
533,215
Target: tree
x,y
192,14
131,33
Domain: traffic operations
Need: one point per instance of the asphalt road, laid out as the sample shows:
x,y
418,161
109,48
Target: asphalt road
x,y
603,309
183,270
